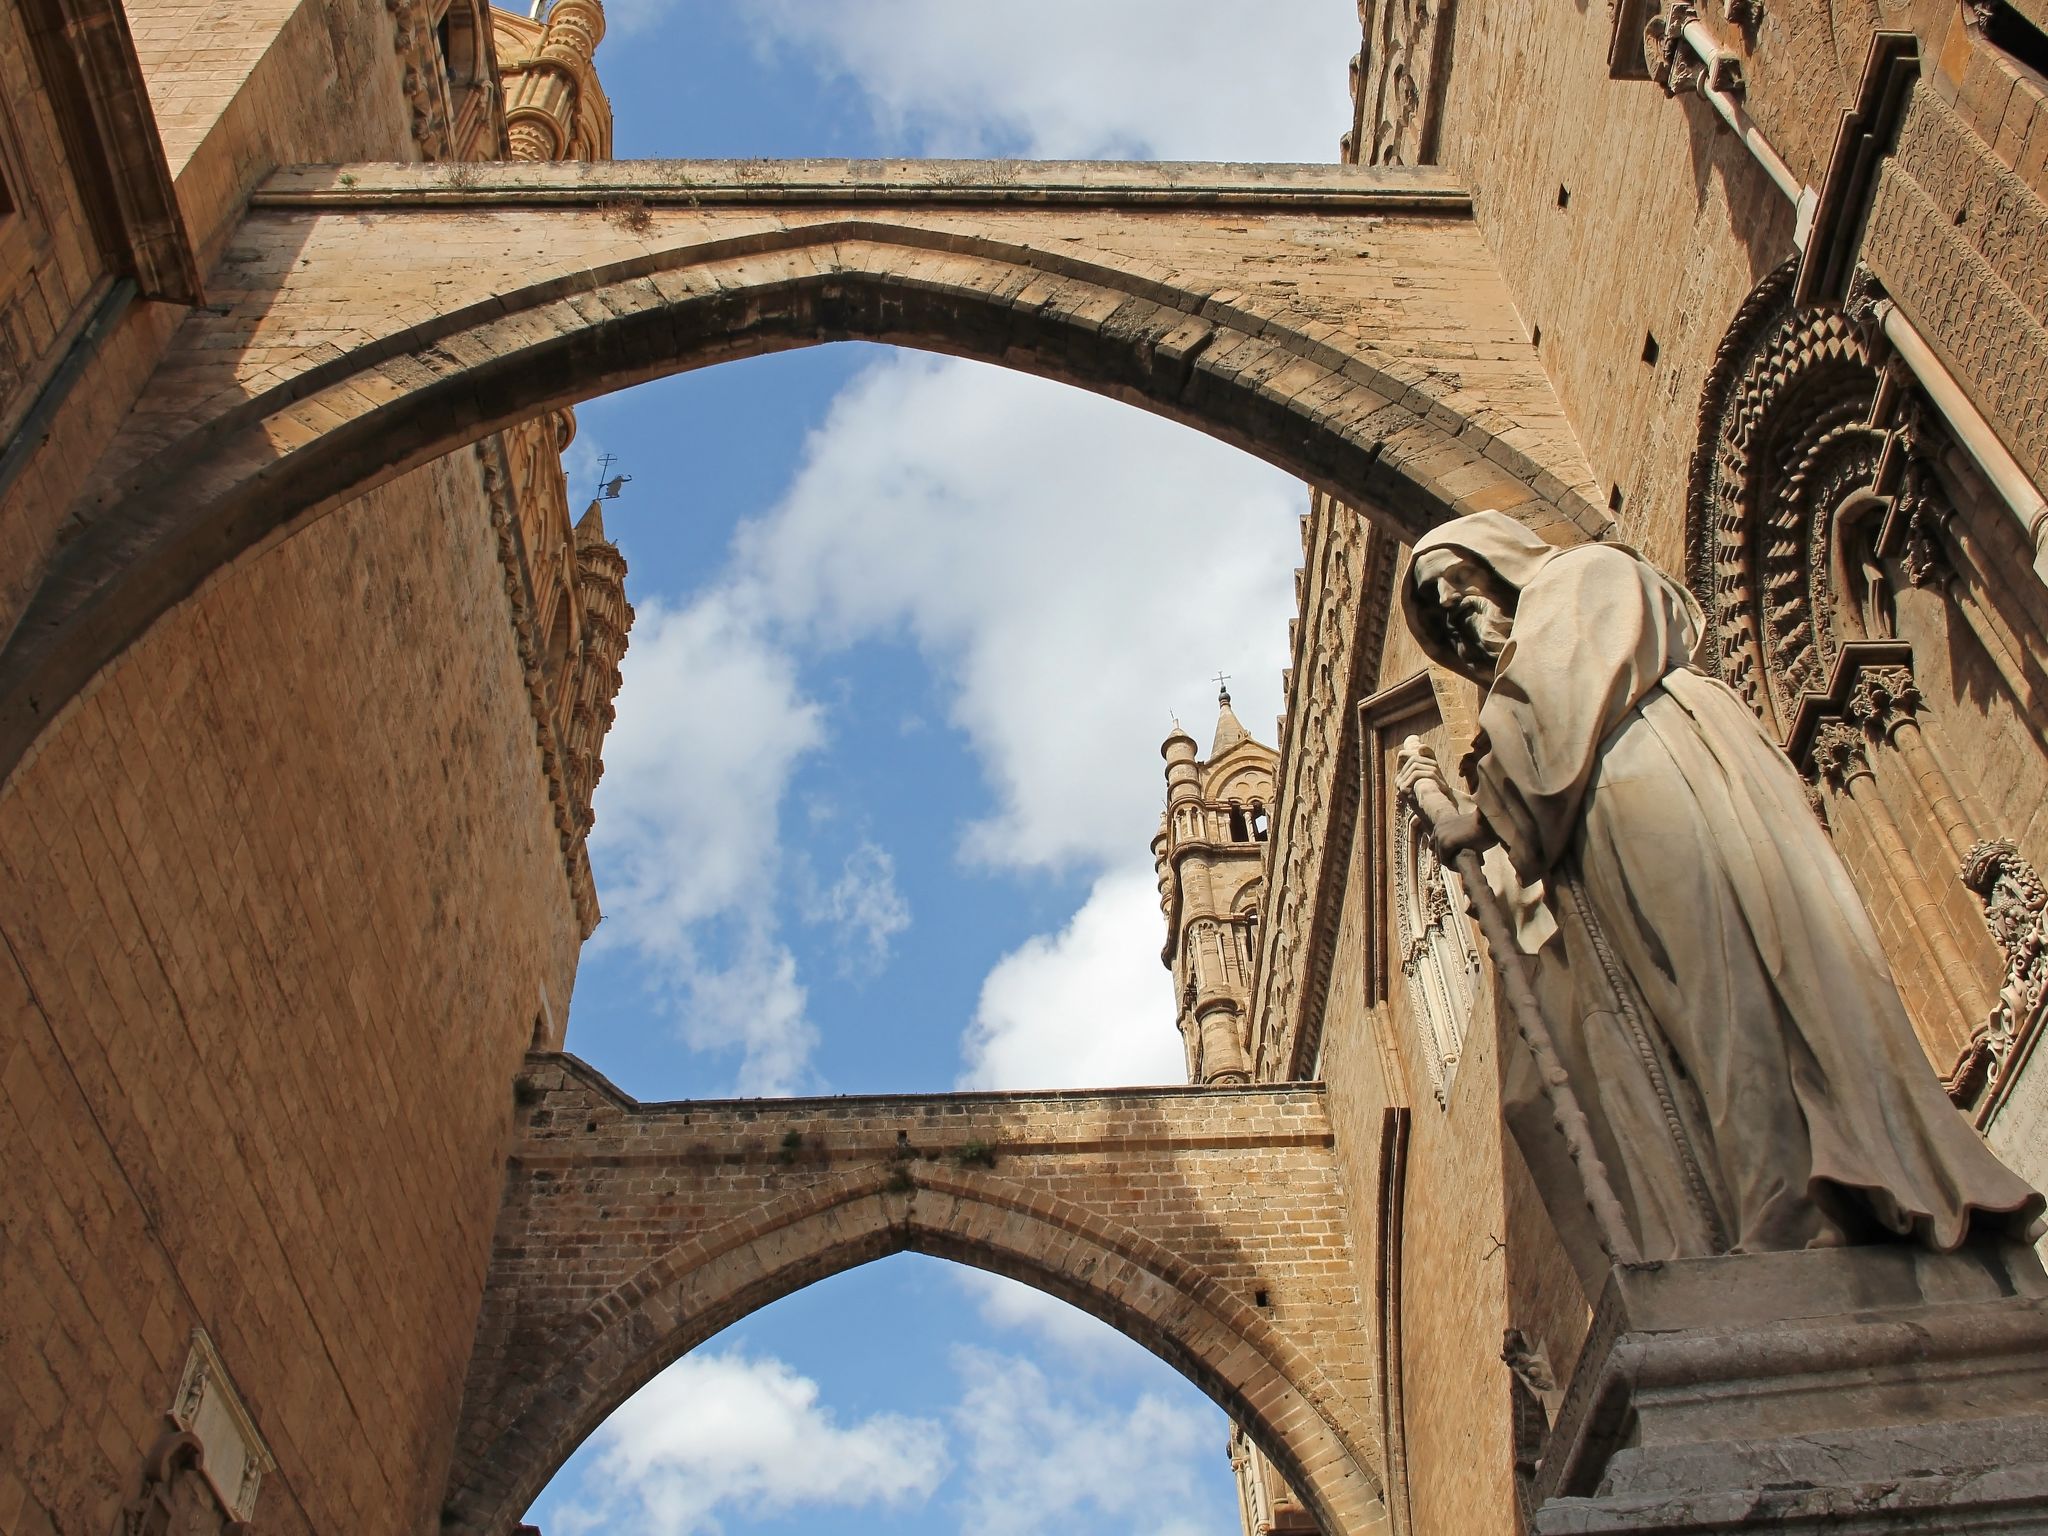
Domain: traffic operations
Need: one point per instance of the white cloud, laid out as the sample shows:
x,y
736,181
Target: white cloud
x,y
1073,567
864,907
1035,1460
720,1431
1083,1341
711,723
1090,1006
1219,80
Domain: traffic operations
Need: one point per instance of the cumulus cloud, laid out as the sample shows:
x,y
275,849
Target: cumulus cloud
x,y
862,906
1219,80
1074,568
1035,1459
711,723
725,1430
1089,1006
1082,1341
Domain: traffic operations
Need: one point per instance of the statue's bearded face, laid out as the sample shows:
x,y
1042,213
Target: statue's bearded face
x,y
1475,608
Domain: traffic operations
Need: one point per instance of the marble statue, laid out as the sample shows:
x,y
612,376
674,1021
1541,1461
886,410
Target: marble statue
x,y
1714,989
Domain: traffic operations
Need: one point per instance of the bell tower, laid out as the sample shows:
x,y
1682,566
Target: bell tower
x,y
1210,855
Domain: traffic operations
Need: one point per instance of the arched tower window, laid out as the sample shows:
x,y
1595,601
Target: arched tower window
x,y
1239,831
1438,958
1259,822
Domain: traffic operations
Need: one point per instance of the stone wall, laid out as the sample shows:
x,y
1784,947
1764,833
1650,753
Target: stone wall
x,y
282,901
1204,1223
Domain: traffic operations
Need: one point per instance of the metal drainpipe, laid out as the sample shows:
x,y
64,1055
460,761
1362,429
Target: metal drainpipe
x,y
2020,495
1718,62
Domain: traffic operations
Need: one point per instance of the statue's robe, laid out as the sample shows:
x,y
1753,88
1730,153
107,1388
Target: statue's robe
x,y
1718,995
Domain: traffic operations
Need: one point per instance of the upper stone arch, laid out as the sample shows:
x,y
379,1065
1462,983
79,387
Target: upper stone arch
x,y
564,1340
369,319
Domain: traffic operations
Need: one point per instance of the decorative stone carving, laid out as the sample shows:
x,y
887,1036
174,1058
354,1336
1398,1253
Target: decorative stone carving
x,y
1961,243
1439,960
543,94
202,1476
571,822
1397,81
2016,908
1314,813
1838,752
426,90
1667,56
1881,697
1786,440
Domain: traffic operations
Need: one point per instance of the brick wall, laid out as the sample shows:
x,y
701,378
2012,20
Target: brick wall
x,y
1205,1223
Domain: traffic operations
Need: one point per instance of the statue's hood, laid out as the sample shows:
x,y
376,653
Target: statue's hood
x,y
1490,538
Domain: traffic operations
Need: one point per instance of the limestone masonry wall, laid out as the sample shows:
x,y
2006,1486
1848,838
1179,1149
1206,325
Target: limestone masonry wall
x,y
280,902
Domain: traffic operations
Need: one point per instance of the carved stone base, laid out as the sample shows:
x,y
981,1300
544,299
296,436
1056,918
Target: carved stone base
x,y
1854,1390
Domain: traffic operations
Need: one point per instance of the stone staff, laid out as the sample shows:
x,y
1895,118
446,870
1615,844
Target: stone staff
x,y
1446,824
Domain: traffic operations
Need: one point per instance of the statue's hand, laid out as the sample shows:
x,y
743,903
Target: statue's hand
x,y
1453,821
1414,763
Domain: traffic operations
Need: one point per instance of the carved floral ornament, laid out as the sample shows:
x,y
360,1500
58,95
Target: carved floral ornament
x,y
2016,908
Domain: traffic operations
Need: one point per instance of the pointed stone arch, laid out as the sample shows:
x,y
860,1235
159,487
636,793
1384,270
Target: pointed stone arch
x,y
373,318
544,1376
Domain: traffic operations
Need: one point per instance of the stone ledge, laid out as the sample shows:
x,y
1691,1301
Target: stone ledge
x,y
920,183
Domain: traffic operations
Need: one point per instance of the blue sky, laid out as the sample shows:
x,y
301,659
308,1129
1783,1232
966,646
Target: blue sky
x,y
876,807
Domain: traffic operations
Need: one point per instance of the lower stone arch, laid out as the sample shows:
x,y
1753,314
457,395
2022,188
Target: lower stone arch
x,y
519,1426
178,504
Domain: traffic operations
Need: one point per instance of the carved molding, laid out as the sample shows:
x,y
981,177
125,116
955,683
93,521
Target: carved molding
x,y
570,825
1439,960
426,89
1398,79
1869,691
1337,643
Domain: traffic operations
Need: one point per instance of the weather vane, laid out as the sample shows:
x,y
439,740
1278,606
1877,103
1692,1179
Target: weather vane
x,y
608,490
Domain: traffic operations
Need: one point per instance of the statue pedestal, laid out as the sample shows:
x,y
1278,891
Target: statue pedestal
x,y
1852,1389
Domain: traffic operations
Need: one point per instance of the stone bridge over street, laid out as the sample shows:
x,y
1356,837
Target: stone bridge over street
x,y
1348,326
1197,1221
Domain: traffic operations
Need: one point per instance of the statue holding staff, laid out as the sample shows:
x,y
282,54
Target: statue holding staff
x,y
1715,993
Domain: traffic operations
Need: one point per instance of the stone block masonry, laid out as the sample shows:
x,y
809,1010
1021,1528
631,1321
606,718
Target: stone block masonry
x,y
1349,327
1201,1222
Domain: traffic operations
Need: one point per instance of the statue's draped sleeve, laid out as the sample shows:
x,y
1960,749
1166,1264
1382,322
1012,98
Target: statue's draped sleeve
x,y
1595,630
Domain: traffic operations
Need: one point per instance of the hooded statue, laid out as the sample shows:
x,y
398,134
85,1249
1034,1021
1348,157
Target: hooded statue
x,y
1717,994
